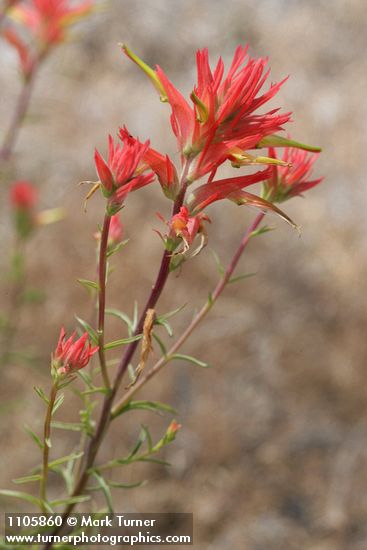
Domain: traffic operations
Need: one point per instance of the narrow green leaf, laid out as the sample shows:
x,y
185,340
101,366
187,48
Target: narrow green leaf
x,y
122,342
220,266
41,394
148,437
116,485
64,459
70,500
87,379
135,316
34,436
262,231
72,426
280,141
170,314
241,277
153,460
20,496
116,248
86,326
190,359
123,317
100,389
166,325
48,442
160,344
27,479
58,402
153,406
105,489
89,285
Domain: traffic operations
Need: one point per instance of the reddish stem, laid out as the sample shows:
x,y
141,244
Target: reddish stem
x,y
18,116
102,266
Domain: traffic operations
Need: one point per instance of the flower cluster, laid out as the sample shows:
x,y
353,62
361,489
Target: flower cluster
x,y
46,22
123,171
223,123
291,180
72,355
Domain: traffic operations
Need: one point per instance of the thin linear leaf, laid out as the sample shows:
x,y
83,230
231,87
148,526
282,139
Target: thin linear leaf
x,y
86,326
122,342
153,460
166,325
160,344
87,379
153,406
122,316
58,402
27,479
220,266
71,500
241,277
116,248
41,394
63,459
135,316
72,426
89,285
20,496
100,389
190,359
148,437
160,320
116,485
262,231
34,436
105,489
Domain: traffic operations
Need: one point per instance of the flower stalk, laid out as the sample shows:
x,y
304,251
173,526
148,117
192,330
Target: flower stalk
x,y
222,283
102,269
47,445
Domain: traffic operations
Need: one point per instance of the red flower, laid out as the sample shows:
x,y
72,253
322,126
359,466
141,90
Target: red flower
x,y
48,19
122,173
187,226
23,195
71,356
292,180
222,117
116,230
165,171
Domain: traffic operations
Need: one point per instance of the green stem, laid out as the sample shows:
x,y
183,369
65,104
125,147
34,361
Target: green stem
x,y
46,445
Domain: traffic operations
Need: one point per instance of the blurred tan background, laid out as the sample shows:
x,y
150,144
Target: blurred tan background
x,y
273,449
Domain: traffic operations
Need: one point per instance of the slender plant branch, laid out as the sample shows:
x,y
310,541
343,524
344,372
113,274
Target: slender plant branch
x,y
105,415
102,298
19,114
195,322
46,445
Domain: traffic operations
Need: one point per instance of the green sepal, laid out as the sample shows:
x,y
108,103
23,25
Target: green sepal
x,y
279,141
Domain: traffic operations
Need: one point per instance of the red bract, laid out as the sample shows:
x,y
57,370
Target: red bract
x,y
165,171
292,180
116,230
23,195
71,356
48,19
122,173
187,226
222,118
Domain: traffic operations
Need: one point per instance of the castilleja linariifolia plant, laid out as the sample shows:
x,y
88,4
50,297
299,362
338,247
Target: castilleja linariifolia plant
x,y
225,120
